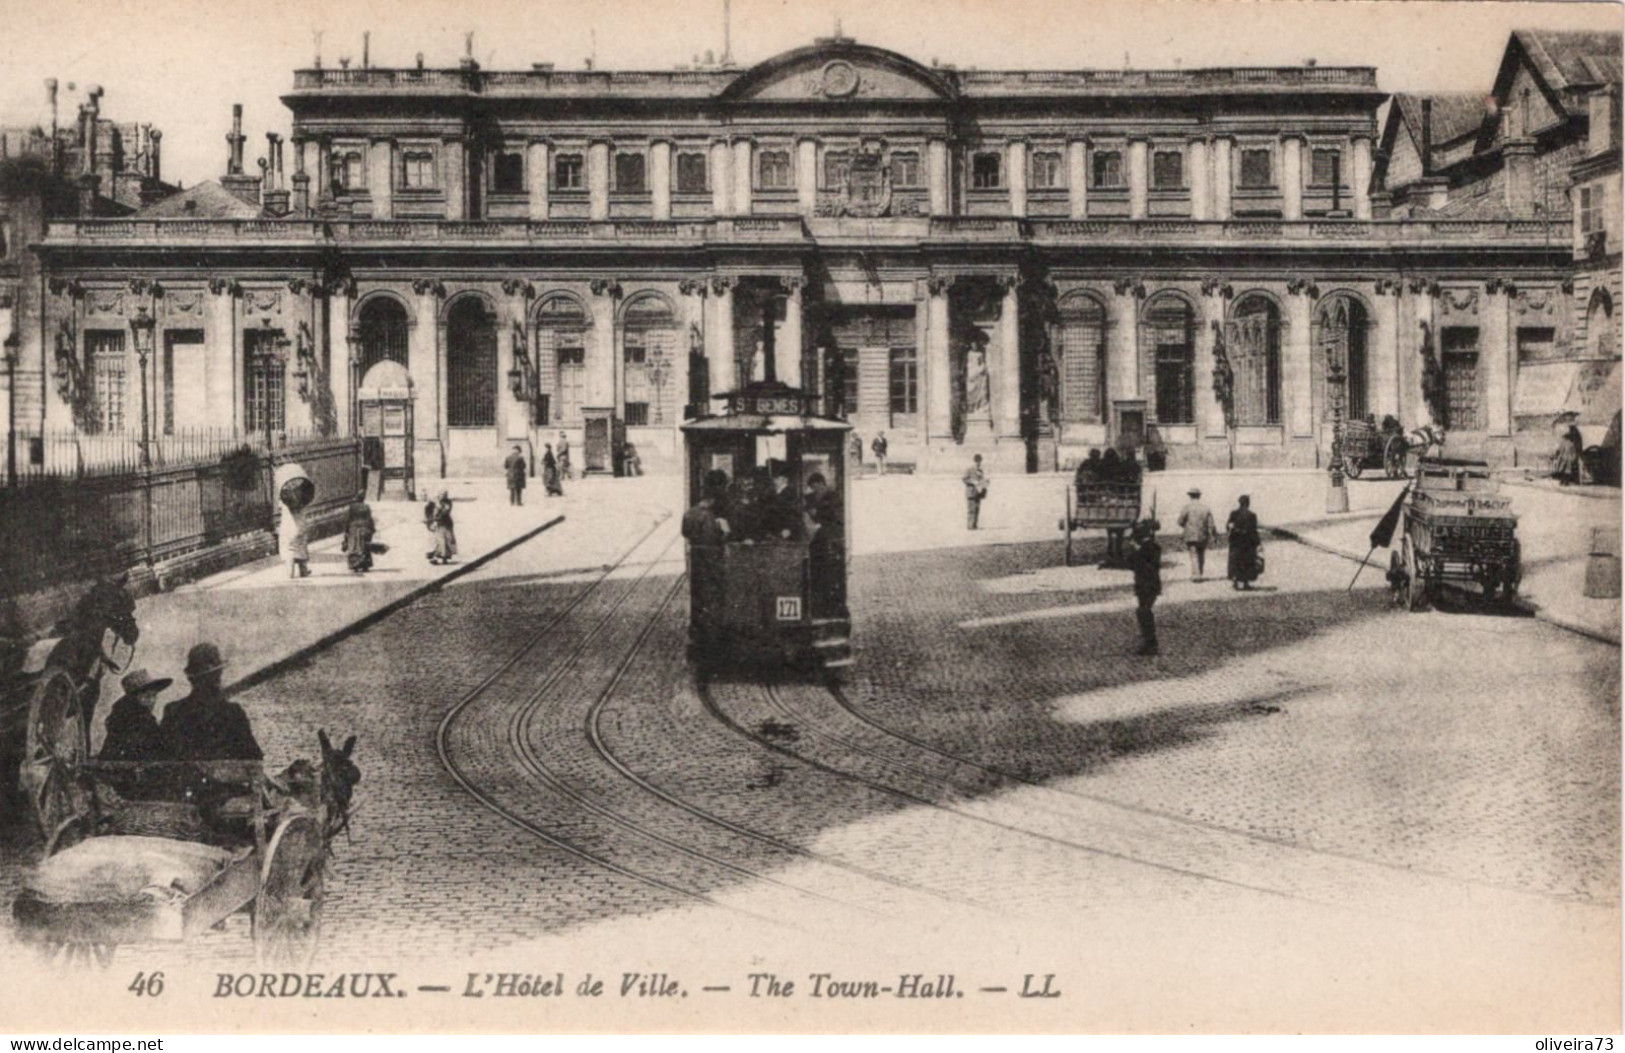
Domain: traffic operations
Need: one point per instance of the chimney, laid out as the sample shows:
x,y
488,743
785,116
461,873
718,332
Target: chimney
x,y
1518,159
155,138
1427,138
366,49
1430,190
276,198
240,185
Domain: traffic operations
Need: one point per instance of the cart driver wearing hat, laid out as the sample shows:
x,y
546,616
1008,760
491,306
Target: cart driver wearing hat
x,y
132,730
203,725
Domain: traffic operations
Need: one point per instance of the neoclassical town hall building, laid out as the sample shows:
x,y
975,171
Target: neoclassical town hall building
x,y
1024,264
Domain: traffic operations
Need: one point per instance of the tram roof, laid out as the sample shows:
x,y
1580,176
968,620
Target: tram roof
x,y
768,406
765,423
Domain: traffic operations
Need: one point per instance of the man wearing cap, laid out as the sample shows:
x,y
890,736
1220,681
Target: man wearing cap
x,y
132,731
1145,559
515,468
203,725
1197,530
975,491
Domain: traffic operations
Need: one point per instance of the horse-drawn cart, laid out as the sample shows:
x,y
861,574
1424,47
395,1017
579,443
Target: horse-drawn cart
x,y
1367,446
1456,529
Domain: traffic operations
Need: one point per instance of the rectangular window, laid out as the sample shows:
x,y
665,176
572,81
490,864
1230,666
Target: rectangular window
x,y
572,383
691,173
1174,383
183,378
986,171
263,381
1257,170
836,165
417,170
1326,168
1047,171
1107,169
1460,365
109,377
1168,170
629,174
905,169
637,414
508,173
905,381
346,171
1536,345
773,171
568,172
849,379
1590,209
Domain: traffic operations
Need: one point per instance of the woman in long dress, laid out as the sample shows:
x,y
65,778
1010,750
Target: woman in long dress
x,y
438,516
358,531
1242,528
551,474
1566,462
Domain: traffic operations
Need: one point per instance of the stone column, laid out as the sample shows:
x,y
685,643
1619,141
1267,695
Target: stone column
x,y
936,155
537,159
1497,358
1018,177
381,178
1209,412
1383,358
660,178
1007,397
1362,177
721,185
938,370
743,174
719,338
1122,346
598,183
807,176
515,412
324,168
787,348
1296,383
603,369
1223,180
225,353
1200,194
339,349
456,179
1419,307
1292,177
692,291
1077,178
1138,178
428,422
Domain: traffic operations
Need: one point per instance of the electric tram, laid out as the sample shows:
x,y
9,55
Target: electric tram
x,y
768,491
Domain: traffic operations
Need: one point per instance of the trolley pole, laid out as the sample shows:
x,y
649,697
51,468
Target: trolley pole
x,y
1337,498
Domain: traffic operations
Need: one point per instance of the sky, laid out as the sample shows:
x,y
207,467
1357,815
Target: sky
x,y
180,64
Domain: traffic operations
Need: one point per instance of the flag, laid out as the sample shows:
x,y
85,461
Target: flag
x,y
1383,534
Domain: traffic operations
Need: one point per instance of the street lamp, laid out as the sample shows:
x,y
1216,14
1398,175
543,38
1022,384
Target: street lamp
x,y
1337,498
141,327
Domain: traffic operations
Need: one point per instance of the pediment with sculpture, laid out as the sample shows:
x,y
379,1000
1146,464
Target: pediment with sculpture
x,y
839,72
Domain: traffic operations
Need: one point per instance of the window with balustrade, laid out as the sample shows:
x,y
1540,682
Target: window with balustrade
x,y
631,173
569,172
691,172
1049,170
109,378
1106,170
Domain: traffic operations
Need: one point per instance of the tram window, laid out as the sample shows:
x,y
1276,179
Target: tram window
x,y
771,448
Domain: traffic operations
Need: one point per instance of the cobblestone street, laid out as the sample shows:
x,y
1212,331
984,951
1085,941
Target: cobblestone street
x,y
1342,801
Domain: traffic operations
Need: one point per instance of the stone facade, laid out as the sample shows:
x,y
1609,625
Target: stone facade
x,y
1022,264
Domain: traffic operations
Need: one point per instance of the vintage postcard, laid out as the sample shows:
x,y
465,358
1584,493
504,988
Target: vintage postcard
x,y
732,515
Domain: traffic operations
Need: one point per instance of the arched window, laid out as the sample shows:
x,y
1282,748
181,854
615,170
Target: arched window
x,y
649,344
383,333
561,358
1600,335
1255,356
471,365
1080,345
1170,327
1342,326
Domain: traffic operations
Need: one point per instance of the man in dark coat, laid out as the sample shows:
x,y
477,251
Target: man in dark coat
x,y
975,481
358,531
514,468
706,532
1242,528
132,731
1145,558
203,725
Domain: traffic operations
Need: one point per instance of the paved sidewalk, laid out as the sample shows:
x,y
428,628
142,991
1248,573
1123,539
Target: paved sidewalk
x,y
262,619
1554,526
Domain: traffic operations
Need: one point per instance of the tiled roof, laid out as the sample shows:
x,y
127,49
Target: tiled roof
x,y
206,200
1455,113
1571,58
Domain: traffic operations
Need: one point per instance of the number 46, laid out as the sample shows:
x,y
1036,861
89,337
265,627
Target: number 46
x,y
150,986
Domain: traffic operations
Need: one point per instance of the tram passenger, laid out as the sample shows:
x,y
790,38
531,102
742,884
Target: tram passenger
x,y
782,519
826,535
744,509
1111,466
1089,470
706,532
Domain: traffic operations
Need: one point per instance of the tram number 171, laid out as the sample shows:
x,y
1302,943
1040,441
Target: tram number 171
x,y
789,608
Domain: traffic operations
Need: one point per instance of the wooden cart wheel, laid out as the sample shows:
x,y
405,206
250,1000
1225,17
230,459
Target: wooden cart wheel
x,y
288,908
1514,574
1415,585
57,741
1353,466
1393,457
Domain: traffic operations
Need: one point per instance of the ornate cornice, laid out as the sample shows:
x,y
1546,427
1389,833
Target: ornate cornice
x,y
1303,287
1129,286
605,287
692,286
429,287
145,286
225,287
1423,286
1387,287
723,284
1217,287
518,287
